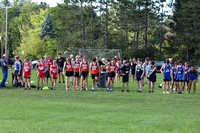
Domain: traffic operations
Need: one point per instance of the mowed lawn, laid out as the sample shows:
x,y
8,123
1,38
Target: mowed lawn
x,y
46,111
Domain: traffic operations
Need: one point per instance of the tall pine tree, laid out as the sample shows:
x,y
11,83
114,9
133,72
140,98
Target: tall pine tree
x,y
47,28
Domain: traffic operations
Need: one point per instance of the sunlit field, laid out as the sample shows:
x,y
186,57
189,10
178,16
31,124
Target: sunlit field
x,y
99,111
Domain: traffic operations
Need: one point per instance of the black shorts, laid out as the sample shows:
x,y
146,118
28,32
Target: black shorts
x,y
125,78
133,71
138,78
111,75
69,73
179,80
118,71
84,74
107,76
60,69
95,75
47,75
77,74
166,80
16,74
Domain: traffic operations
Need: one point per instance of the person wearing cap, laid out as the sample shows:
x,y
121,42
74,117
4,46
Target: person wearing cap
x,y
72,58
48,63
5,66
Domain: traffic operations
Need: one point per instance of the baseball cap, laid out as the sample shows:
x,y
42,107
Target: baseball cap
x,y
4,55
71,55
103,59
50,57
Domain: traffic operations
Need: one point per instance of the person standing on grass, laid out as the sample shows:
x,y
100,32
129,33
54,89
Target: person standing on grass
x,y
21,72
94,73
111,76
133,65
17,73
166,75
40,68
53,74
139,72
4,64
68,66
107,67
76,66
186,78
152,76
118,73
48,63
173,73
148,69
84,70
193,77
27,73
60,61
126,72
101,64
180,74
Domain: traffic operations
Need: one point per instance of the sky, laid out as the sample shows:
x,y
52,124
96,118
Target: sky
x,y
52,3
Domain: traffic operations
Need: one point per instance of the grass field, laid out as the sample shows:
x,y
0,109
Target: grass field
x,y
48,111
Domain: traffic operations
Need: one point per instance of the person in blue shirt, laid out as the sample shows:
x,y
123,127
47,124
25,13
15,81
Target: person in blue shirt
x,y
17,73
180,74
126,73
186,78
193,77
173,73
165,70
152,76
5,66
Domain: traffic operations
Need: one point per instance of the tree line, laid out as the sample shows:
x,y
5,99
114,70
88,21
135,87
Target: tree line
x,y
140,28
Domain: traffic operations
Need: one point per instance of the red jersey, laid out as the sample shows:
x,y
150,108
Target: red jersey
x,y
85,67
54,71
107,69
69,67
48,64
95,68
76,66
41,67
112,68
27,70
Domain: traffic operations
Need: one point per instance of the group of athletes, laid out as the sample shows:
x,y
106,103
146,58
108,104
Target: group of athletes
x,y
79,69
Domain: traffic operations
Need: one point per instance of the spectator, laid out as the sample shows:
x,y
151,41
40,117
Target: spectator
x,y
4,65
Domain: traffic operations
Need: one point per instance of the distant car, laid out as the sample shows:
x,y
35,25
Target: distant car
x,y
11,61
159,64
34,63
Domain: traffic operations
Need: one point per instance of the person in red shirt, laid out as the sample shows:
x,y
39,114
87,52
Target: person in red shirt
x,y
27,73
94,73
53,74
40,68
84,70
77,75
68,67
48,63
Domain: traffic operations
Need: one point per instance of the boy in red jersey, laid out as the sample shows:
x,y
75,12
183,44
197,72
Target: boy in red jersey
x,y
111,76
84,69
53,74
40,72
27,73
76,72
68,67
94,73
48,63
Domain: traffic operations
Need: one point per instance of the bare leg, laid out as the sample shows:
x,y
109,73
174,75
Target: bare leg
x,y
194,86
66,83
25,82
29,83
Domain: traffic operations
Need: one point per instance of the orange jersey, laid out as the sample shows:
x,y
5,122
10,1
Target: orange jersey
x,y
112,68
69,67
107,69
76,66
95,68
85,67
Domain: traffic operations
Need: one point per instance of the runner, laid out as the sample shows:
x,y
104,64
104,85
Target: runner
x,y
17,73
53,74
48,63
84,70
94,73
60,62
27,73
40,68
77,72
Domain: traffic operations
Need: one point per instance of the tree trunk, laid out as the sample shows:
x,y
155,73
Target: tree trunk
x,y
106,22
126,22
100,23
91,25
83,26
146,23
161,30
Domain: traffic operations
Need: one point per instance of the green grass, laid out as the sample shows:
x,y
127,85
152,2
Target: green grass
x,y
100,111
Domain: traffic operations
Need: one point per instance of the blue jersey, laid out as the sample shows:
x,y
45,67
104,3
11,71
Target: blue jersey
x,y
166,75
179,75
192,75
152,68
152,77
139,70
186,70
17,66
174,71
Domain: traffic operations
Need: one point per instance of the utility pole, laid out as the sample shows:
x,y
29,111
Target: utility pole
x,y
6,45
2,42
14,45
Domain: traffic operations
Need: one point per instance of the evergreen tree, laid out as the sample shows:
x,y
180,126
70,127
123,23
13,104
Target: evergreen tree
x,y
47,28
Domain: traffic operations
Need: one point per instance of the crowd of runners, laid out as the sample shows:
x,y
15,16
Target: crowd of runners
x,y
175,76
